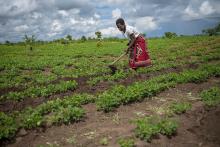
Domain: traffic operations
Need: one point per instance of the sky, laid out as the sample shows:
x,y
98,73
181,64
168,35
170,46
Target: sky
x,y
53,19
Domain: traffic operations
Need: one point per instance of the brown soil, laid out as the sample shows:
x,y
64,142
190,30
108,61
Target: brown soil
x,y
47,71
198,127
10,89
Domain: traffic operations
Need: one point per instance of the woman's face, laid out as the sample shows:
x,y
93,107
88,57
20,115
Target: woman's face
x,y
121,27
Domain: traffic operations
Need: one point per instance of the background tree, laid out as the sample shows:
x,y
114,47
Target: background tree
x,y
7,42
69,37
83,38
170,35
98,35
212,31
29,41
63,41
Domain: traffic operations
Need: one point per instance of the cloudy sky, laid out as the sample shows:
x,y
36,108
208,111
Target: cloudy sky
x,y
51,19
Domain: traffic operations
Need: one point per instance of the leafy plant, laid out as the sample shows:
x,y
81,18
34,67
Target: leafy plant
x,y
118,95
126,142
211,97
148,127
104,141
167,127
37,91
8,127
66,115
179,108
32,120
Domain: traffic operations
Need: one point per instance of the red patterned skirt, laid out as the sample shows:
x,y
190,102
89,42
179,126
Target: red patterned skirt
x,y
139,56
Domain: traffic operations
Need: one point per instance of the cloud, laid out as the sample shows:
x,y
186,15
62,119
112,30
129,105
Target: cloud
x,y
196,11
146,23
17,7
21,28
206,8
190,12
117,1
110,31
116,13
63,13
56,26
97,16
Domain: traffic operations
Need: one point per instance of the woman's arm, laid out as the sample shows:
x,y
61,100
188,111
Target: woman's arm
x,y
131,43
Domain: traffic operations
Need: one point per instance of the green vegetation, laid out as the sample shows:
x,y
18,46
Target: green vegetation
x,y
52,112
7,126
32,92
170,35
212,31
168,60
119,94
29,41
104,141
179,108
52,68
149,127
126,142
211,97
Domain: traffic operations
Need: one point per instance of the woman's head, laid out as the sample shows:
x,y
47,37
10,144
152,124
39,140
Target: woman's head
x,y
120,23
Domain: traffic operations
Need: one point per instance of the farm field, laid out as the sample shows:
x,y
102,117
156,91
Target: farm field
x,y
65,95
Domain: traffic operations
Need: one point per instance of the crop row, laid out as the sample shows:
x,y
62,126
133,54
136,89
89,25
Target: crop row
x,y
52,112
166,62
69,109
70,61
120,94
44,91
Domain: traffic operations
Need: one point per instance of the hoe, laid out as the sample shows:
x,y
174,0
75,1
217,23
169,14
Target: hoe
x,y
112,67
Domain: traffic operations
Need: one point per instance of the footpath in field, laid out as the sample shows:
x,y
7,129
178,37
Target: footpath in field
x,y
199,126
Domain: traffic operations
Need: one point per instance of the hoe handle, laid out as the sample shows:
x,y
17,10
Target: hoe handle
x,y
122,55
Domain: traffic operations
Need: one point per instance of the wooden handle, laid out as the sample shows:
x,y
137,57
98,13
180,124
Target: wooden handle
x,y
118,58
